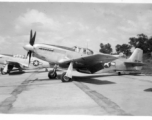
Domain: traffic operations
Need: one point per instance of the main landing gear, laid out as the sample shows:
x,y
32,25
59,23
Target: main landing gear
x,y
65,77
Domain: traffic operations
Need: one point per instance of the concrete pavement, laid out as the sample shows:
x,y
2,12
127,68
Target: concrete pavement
x,y
133,94
33,93
36,94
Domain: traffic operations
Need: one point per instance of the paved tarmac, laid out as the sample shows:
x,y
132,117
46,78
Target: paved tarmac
x,y
33,93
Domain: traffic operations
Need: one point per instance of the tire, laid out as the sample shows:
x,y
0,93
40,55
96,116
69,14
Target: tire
x,y
52,74
64,78
119,73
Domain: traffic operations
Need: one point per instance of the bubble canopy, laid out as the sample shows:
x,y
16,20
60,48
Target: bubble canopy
x,y
83,50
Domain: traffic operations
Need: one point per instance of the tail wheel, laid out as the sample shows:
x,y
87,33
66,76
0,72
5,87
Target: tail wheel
x,y
65,78
119,73
52,74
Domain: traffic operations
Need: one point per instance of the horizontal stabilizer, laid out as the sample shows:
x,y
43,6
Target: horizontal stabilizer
x,y
134,64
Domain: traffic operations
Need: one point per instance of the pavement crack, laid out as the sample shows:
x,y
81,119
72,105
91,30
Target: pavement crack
x,y
7,104
109,106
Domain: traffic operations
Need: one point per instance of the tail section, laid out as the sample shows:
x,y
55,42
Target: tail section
x,y
137,56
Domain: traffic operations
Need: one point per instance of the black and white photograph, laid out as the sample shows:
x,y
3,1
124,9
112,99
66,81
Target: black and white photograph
x,y
76,58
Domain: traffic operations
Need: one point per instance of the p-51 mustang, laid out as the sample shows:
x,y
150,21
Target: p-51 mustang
x,y
8,62
81,59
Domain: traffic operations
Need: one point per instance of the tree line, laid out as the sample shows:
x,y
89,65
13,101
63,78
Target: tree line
x,y
141,41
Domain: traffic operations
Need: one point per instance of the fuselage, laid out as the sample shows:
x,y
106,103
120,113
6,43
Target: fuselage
x,y
55,54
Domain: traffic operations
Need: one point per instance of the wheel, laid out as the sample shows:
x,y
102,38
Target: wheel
x,y
64,78
2,72
119,73
52,74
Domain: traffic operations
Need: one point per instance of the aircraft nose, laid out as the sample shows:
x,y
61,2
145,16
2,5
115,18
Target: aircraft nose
x,y
28,47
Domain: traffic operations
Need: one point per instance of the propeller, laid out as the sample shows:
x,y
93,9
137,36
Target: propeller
x,y
31,42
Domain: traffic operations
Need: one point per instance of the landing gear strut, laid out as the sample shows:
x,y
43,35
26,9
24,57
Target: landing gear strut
x,y
2,72
67,76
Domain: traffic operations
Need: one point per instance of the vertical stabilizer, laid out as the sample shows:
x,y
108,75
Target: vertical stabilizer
x,y
137,55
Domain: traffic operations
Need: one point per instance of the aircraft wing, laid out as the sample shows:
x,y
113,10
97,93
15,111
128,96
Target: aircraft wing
x,y
91,59
134,64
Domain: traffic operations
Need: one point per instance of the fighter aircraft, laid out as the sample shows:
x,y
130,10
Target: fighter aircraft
x,y
8,62
81,59
132,65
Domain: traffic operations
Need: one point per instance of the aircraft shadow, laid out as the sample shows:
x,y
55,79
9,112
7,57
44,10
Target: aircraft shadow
x,y
47,79
94,81
23,72
16,73
148,90
85,80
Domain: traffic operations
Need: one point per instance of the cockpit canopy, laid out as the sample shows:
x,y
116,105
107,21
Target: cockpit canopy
x,y
83,50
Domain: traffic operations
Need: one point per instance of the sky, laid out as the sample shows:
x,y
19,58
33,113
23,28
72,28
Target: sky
x,y
71,24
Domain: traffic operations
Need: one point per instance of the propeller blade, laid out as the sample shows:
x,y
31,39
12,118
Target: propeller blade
x,y
30,38
33,39
29,56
